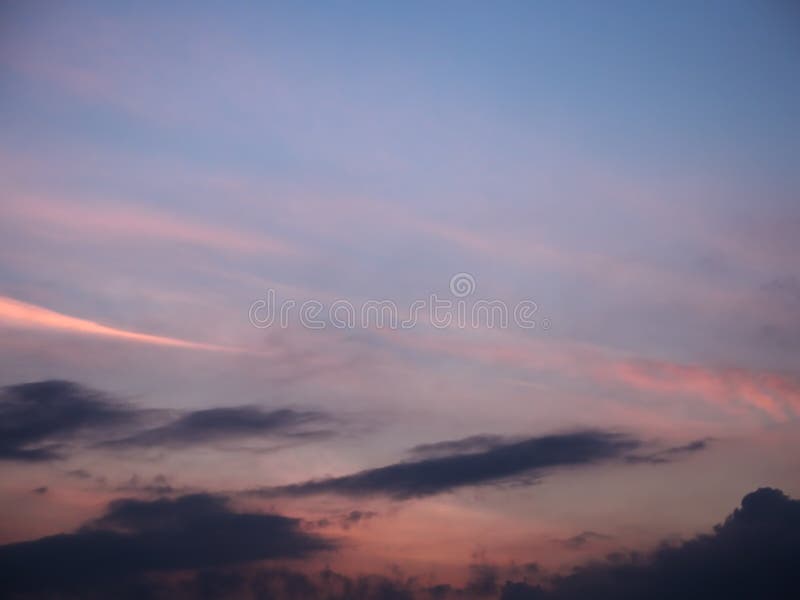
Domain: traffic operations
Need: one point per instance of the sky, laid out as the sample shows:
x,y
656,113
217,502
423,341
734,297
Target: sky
x,y
399,300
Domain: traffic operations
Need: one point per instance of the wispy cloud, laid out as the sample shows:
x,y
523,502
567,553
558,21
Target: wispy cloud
x,y
21,314
730,388
669,454
110,223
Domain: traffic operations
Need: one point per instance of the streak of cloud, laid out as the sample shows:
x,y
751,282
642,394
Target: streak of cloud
x,y
29,316
511,461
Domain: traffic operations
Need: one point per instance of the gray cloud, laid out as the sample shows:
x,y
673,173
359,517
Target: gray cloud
x,y
509,461
79,474
753,554
135,537
475,443
232,423
669,454
583,538
44,420
36,419
345,521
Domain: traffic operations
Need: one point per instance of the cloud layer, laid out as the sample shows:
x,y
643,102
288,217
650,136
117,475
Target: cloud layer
x,y
752,554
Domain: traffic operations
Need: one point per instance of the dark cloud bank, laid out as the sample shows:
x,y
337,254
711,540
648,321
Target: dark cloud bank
x,y
136,548
135,536
481,460
44,420
753,554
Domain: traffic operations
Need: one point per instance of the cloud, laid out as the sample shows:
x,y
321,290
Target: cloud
x,y
475,443
736,390
483,580
135,537
357,516
345,521
753,554
35,418
38,419
287,584
219,424
30,316
112,224
669,454
501,462
583,538
79,474
157,486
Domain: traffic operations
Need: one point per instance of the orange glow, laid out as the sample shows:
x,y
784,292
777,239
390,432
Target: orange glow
x,y
22,314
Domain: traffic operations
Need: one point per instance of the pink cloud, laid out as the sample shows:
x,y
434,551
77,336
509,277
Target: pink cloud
x,y
21,314
129,222
733,389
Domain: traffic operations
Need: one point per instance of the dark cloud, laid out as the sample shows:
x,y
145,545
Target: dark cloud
x,y
694,446
276,583
157,486
357,516
41,491
40,420
483,581
583,538
345,521
510,461
475,443
220,424
753,554
79,474
135,536
36,419
669,454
